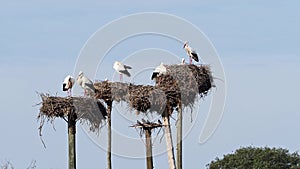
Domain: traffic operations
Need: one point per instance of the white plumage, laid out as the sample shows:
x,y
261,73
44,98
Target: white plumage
x,y
158,71
86,84
190,52
68,84
122,69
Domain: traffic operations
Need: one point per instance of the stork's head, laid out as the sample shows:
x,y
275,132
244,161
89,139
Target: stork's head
x,y
117,64
185,44
80,74
69,77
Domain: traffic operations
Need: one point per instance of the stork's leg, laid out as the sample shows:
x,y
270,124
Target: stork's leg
x,y
84,92
121,77
70,92
191,60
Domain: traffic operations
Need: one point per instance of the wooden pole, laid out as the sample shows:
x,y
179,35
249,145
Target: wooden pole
x,y
109,107
168,135
71,139
179,136
149,148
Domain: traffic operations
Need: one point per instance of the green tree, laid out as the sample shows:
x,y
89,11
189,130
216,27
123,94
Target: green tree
x,y
258,158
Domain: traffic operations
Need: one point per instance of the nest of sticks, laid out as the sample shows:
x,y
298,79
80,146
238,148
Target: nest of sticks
x,y
139,97
146,125
146,98
111,91
182,84
86,110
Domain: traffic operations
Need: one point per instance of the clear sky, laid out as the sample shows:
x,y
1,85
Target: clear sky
x,y
258,44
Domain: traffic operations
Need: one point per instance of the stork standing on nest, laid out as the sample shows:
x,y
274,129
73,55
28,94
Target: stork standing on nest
x,y
190,52
122,69
85,83
68,84
158,71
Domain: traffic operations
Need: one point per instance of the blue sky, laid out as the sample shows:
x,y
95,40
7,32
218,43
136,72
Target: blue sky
x,y
257,43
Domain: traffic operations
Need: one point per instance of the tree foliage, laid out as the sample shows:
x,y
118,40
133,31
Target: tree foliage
x,y
258,158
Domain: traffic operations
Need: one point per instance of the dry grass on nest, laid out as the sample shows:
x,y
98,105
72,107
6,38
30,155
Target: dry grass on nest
x,y
185,82
139,97
146,98
108,91
87,110
182,82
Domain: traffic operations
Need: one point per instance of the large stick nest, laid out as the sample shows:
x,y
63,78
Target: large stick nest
x,y
87,110
181,84
184,82
146,98
139,97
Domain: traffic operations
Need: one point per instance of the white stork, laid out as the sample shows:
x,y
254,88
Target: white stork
x,y
122,69
158,71
68,84
85,83
190,52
